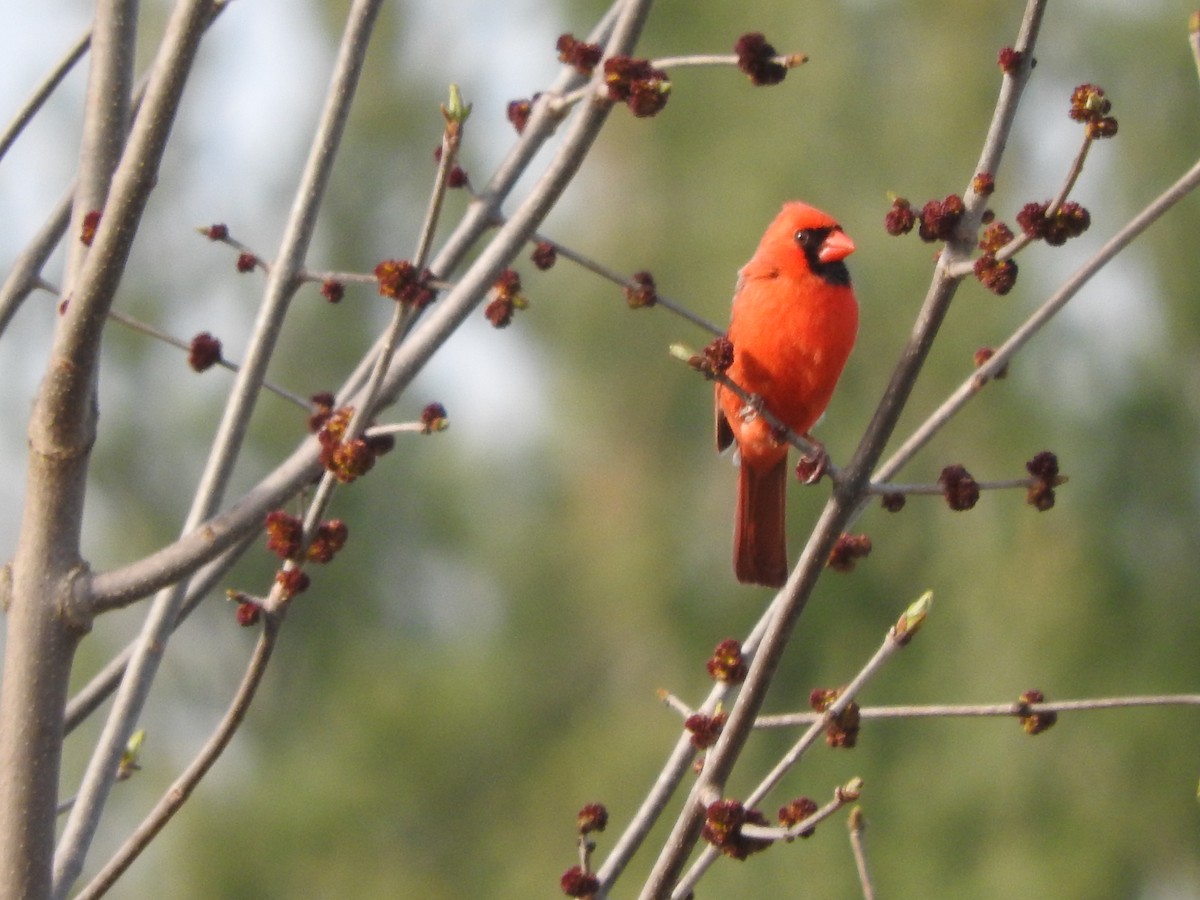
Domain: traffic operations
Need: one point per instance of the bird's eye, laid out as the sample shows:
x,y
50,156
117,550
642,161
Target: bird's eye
x,y
805,238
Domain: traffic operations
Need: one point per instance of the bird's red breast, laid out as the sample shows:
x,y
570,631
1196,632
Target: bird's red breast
x,y
794,323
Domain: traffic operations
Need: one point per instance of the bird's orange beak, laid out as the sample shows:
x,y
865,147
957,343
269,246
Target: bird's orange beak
x,y
836,247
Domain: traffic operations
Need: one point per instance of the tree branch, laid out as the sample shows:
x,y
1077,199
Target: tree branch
x,y
792,599
179,792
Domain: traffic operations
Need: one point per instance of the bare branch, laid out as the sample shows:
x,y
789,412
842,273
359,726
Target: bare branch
x,y
179,792
43,91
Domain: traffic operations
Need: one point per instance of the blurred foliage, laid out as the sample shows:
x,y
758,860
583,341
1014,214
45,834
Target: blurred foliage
x,y
482,659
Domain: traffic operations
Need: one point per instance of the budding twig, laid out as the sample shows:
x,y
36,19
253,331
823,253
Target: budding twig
x,y
788,61
842,795
1023,239
625,281
1038,320
1002,484
987,710
896,639
143,328
857,825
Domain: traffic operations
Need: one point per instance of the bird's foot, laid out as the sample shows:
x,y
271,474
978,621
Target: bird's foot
x,y
812,466
752,408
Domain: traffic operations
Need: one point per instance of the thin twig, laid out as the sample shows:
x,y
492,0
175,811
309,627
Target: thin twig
x,y
144,328
43,91
182,789
790,61
620,280
989,710
1003,484
857,825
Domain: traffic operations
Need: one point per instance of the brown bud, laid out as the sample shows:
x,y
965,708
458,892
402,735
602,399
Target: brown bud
x,y
204,352
959,488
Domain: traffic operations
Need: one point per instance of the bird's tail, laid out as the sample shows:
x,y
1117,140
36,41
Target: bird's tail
x,y
760,536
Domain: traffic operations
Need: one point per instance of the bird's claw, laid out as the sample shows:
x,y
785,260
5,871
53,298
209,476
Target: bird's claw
x,y
751,409
812,466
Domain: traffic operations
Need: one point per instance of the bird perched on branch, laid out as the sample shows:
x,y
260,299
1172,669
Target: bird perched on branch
x,y
793,326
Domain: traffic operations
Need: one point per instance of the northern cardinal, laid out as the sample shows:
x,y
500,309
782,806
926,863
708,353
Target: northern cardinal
x,y
794,323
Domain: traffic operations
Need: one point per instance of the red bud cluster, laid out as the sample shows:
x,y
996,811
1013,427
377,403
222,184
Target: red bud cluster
x,y
1031,722
347,460
577,883
848,550
1090,106
204,352
1044,468
940,218
900,218
584,57
715,358
544,255
399,279
984,184
433,418
1068,221
333,290
1010,60
507,300
843,728
292,582
723,823
248,613
637,84
983,354
285,534
727,663
796,812
518,113
998,276
330,538
959,488
705,729
592,817
640,292
756,58
994,237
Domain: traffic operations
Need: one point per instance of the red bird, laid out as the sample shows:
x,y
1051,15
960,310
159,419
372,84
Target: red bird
x,y
794,323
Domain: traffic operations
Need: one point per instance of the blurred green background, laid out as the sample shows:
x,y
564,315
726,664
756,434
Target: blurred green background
x,y
483,657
